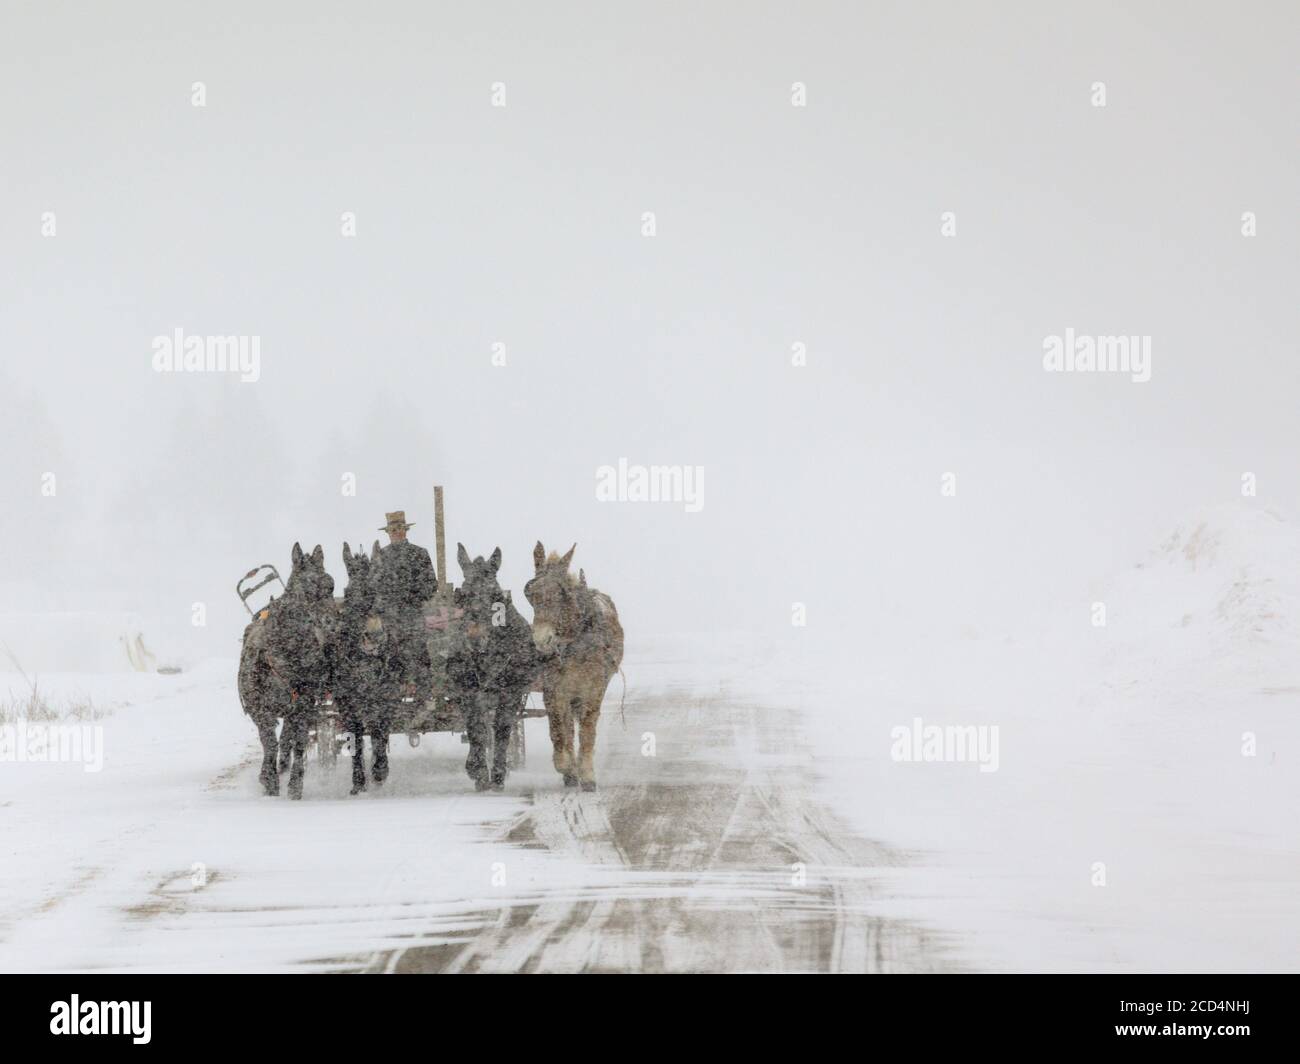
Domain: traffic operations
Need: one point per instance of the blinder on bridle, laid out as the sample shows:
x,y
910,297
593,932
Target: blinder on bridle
x,y
373,635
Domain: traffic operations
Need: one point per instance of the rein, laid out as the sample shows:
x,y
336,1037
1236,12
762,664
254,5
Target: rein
x,y
269,662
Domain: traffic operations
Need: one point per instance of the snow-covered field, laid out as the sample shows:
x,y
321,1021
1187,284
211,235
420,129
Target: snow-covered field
x,y
1141,815
1164,745
169,858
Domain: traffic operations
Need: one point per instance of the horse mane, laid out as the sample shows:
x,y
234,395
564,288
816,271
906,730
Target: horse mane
x,y
552,559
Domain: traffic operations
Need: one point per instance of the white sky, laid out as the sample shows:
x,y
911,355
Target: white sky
x,y
522,225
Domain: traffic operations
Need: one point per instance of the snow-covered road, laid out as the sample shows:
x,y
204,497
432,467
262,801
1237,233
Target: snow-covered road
x,y
703,850
713,856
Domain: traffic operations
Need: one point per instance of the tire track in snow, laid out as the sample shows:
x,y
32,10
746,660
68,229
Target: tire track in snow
x,y
694,858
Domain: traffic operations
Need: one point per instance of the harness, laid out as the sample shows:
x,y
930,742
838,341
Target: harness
x,y
265,655
586,628
269,662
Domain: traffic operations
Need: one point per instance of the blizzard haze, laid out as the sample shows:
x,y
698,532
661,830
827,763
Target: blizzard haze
x,y
521,225
912,532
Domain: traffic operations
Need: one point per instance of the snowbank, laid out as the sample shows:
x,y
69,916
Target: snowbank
x,y
1156,754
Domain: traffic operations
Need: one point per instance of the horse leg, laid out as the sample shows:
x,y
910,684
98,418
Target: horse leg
x,y
590,717
379,725
297,730
571,741
476,711
269,777
358,729
286,747
503,726
559,716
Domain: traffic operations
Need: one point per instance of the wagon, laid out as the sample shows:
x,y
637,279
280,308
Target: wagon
x,y
440,713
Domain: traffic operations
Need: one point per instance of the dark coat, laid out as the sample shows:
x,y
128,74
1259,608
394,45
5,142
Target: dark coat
x,y
404,578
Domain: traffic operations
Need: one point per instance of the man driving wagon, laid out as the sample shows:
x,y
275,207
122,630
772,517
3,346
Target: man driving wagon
x,y
404,581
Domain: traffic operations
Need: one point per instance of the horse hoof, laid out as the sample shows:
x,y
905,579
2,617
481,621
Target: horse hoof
x,y
588,785
481,785
570,781
357,788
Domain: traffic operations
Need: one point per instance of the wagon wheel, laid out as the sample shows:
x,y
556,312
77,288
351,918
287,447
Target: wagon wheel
x,y
327,747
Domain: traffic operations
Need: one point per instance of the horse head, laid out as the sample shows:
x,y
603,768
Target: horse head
x,y
302,630
557,600
308,582
359,595
361,619
480,595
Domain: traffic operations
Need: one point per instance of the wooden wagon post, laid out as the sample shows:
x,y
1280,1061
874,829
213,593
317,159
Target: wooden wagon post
x,y
440,536
438,613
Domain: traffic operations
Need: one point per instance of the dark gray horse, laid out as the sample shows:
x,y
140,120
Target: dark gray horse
x,y
285,667
367,670
490,667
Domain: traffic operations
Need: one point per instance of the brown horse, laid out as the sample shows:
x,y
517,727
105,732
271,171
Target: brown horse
x,y
576,630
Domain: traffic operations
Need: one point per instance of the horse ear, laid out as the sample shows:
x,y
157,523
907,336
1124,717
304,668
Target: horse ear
x,y
495,560
374,552
539,556
347,555
318,555
297,554
462,556
568,557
